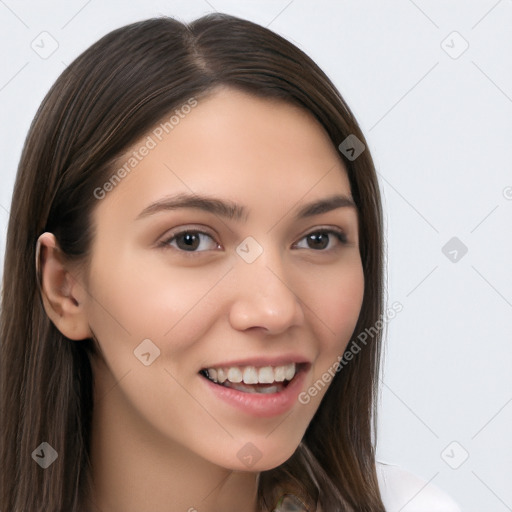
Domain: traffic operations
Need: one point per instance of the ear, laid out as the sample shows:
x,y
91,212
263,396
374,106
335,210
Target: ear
x,y
64,298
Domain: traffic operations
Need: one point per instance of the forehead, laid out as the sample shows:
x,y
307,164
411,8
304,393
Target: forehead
x,y
236,145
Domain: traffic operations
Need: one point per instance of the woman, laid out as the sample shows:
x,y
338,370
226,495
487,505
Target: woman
x,y
206,227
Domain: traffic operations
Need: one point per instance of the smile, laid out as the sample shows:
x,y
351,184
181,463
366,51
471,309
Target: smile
x,y
252,379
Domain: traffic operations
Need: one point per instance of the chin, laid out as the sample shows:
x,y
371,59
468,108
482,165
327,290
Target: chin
x,y
260,456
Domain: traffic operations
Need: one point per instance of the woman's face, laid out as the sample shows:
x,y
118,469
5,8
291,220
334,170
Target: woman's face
x,y
229,245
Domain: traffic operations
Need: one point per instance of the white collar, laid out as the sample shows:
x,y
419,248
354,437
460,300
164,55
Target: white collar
x,y
406,492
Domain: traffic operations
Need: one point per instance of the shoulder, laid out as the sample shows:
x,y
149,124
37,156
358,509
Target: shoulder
x,y
405,492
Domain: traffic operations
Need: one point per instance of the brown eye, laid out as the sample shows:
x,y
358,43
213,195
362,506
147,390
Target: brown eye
x,y
318,240
322,240
188,241
192,241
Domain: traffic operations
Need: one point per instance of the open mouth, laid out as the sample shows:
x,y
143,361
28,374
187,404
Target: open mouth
x,y
252,379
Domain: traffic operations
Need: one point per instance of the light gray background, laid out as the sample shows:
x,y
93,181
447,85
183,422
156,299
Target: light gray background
x,y
440,132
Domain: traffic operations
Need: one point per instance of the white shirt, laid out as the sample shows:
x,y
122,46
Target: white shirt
x,y
402,491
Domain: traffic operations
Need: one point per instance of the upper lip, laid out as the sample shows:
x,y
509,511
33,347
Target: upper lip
x,y
261,361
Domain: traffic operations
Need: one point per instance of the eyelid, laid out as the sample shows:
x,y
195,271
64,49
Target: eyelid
x,y
173,233
325,229
341,233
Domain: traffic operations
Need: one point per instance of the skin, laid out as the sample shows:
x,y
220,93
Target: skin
x,y
161,441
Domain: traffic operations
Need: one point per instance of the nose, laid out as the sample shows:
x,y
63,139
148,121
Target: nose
x,y
263,298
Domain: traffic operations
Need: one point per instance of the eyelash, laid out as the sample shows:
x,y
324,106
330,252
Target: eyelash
x,y
166,244
339,235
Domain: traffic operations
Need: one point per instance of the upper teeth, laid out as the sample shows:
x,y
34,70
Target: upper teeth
x,y
253,375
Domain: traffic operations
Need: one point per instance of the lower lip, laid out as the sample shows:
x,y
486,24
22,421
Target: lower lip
x,y
261,405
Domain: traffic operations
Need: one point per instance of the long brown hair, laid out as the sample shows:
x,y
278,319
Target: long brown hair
x,y
109,97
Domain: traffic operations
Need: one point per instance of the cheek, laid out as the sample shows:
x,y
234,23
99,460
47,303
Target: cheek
x,y
336,302
334,309
132,302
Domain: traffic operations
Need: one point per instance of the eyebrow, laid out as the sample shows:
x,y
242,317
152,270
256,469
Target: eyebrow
x,y
235,211
228,209
326,205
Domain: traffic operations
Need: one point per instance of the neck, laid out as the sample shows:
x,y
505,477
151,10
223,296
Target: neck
x,y
136,469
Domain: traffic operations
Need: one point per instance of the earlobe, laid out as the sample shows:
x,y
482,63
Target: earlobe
x,y
63,297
